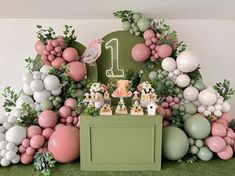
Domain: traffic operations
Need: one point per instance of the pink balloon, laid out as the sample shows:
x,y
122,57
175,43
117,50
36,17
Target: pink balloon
x,y
47,119
218,130
226,154
167,112
227,116
69,119
164,50
222,122
140,52
166,123
22,149
230,133
149,34
229,141
64,144
58,62
33,130
39,47
37,141
47,132
59,125
65,111
77,71
148,42
70,54
161,111
30,151
216,143
71,102
25,142
26,159
55,43
43,150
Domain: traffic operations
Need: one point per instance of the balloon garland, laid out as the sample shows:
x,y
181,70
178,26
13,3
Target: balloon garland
x,y
197,120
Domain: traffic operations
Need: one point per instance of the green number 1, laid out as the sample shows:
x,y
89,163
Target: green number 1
x,y
114,71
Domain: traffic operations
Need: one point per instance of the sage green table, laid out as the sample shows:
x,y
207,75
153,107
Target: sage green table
x,y
121,143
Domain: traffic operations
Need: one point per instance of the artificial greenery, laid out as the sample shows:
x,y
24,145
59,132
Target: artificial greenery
x,y
223,88
90,111
124,15
180,48
61,73
34,64
134,78
69,35
195,75
10,98
176,118
189,158
44,162
29,116
45,34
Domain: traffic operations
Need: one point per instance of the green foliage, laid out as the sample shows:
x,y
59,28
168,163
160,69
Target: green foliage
x,y
124,15
61,73
29,116
223,88
195,75
112,84
10,98
34,64
69,35
177,114
180,48
134,78
45,34
44,162
190,158
90,111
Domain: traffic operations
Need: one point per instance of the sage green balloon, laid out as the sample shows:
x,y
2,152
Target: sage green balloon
x,y
143,24
46,105
200,85
136,16
205,154
175,143
194,149
152,75
126,25
190,108
197,127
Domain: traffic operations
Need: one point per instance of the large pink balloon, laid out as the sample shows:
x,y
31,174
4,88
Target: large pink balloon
x,y
164,51
227,116
216,144
70,54
47,119
64,144
39,47
226,154
77,70
218,130
140,52
33,130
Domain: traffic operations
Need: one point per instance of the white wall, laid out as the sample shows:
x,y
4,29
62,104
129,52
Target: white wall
x,y
213,40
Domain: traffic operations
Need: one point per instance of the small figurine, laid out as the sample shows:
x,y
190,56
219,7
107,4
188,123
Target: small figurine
x,y
135,97
151,108
121,108
99,100
87,98
107,99
106,110
136,109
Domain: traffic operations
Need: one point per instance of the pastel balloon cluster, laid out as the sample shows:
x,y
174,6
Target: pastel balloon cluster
x,y
222,137
68,114
212,103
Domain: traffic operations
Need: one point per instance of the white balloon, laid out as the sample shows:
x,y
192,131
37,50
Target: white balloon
x,y
36,85
176,72
56,92
218,107
12,119
170,75
5,162
2,129
7,125
169,64
2,137
197,103
217,113
27,90
23,99
182,80
27,78
43,76
226,106
40,96
16,112
16,134
16,159
187,61
191,93
3,153
51,82
10,146
10,155
211,108
3,118
3,145
16,149
36,75
220,100
207,97
45,69
207,113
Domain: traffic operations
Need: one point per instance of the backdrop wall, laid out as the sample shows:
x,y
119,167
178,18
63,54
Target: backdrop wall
x,y
212,40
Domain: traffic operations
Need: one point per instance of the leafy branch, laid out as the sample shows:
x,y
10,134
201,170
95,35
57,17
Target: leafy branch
x,y
180,48
45,34
90,111
176,115
189,158
29,116
223,88
69,35
10,98
124,15
195,75
134,78
34,64
61,73
44,162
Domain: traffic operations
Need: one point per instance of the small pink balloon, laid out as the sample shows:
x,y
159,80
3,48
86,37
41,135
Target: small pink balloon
x,y
169,99
49,47
49,41
166,123
152,47
37,141
58,49
25,142
62,120
229,141
172,103
71,102
47,132
39,47
230,133
148,42
55,43
75,120
153,52
161,110
158,36
165,105
47,119
59,54
45,52
77,71
218,130
156,56
22,149
69,120
44,58
51,58
176,100
140,52
58,62
59,125
61,41
26,159
65,111
70,54
30,151
43,150
149,34
216,143
167,113
226,154
164,51
53,52
227,116
154,40
33,130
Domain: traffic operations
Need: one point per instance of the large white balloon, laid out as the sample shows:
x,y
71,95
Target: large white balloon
x,y
40,96
207,97
16,134
226,106
23,99
27,78
182,80
51,82
190,93
187,61
37,75
36,85
169,64
27,90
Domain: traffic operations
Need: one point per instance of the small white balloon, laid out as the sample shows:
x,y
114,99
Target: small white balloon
x,y
207,113
217,113
220,100
218,107
43,76
164,72
16,159
27,90
207,97
27,78
3,153
36,75
169,64
16,149
16,134
12,119
201,109
51,82
191,93
45,69
10,155
211,108
10,146
3,145
16,112
2,137
56,92
187,61
7,125
226,106
176,72
5,162
182,80
2,129
197,103
24,99
3,118
40,96
36,85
